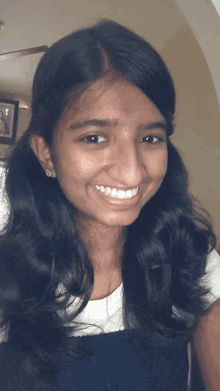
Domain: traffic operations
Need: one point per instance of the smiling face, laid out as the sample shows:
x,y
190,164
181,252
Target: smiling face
x,y
110,157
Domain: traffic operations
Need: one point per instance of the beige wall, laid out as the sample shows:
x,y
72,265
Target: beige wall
x,y
164,25
203,18
198,101
197,134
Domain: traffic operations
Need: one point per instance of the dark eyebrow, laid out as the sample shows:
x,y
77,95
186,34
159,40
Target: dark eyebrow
x,y
155,125
106,122
92,122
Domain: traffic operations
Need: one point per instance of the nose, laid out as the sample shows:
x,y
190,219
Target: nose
x,y
126,168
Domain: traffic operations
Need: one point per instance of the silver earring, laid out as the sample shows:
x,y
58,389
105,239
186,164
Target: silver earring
x,y
48,173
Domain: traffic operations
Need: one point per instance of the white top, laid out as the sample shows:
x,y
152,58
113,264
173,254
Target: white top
x,y
104,315
212,278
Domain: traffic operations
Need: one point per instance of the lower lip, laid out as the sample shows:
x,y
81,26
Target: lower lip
x,y
119,201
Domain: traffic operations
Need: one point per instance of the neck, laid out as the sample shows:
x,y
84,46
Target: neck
x,y
104,244
105,247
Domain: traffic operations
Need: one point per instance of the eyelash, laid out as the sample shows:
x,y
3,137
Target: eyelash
x,y
100,135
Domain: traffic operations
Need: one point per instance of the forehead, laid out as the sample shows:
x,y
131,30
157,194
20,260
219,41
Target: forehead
x,y
108,98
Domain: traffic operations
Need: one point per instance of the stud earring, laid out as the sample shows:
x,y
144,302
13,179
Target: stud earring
x,y
48,173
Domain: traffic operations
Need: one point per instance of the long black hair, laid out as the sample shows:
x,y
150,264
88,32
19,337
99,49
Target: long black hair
x,y
166,248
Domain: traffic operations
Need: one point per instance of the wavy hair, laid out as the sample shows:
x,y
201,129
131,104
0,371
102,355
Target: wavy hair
x,y
166,248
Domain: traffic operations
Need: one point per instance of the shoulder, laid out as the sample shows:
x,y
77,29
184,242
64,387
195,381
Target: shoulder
x,y
209,326
206,346
206,343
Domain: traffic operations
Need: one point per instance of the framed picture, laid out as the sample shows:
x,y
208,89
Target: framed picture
x,y
8,121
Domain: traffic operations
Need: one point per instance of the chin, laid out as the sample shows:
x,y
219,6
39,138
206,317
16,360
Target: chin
x,y
120,220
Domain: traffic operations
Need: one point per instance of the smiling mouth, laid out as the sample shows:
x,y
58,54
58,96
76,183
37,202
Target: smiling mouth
x,y
114,193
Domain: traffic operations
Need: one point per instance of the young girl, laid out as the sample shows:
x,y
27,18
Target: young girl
x,y
104,254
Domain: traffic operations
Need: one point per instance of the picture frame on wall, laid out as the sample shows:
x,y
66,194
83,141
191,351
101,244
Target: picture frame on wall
x,y
8,121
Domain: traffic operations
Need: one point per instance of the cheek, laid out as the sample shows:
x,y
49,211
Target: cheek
x,y
157,165
84,165
73,167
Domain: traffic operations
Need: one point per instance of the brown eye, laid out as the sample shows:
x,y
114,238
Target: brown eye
x,y
152,139
94,139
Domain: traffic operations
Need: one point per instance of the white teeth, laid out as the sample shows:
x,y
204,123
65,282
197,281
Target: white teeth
x,y
117,193
114,193
129,194
134,192
121,194
108,190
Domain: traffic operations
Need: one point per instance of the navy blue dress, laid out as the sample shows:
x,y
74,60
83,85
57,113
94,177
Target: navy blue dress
x,y
116,365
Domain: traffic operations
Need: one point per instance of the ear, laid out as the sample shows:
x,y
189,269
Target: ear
x,y
43,153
